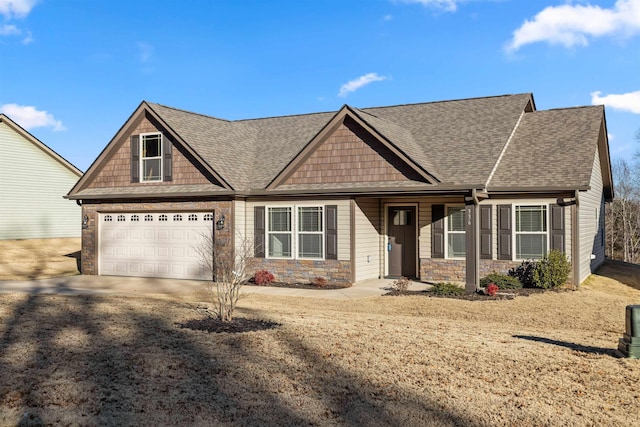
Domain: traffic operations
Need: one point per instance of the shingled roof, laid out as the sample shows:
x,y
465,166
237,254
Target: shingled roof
x,y
497,143
551,148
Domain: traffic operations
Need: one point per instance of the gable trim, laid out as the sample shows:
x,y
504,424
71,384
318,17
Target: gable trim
x,y
126,128
330,127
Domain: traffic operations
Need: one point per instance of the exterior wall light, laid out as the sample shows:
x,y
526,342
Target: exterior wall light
x,y
85,222
220,222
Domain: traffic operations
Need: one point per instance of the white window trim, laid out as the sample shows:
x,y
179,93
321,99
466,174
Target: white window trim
x,y
515,232
294,231
142,159
446,230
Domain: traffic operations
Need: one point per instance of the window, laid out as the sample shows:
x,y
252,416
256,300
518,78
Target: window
x,y
108,218
148,217
310,236
192,217
279,231
163,217
151,157
456,232
208,217
531,232
295,232
177,217
135,218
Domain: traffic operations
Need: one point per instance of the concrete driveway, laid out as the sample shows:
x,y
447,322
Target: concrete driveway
x,y
76,285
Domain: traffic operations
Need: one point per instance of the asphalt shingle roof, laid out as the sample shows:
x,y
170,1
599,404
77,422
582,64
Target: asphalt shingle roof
x,y
551,148
458,142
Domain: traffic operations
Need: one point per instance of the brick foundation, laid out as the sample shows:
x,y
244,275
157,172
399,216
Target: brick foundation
x,y
438,269
304,271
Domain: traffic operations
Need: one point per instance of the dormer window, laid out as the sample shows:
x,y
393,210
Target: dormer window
x,y
151,157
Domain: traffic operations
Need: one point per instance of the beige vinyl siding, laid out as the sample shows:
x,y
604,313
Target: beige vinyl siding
x,y
368,243
32,190
242,241
590,209
344,218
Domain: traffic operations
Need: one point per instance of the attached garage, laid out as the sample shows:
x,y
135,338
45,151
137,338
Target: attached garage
x,y
158,244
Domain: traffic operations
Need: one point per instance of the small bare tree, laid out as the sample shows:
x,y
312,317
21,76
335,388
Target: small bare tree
x,y
228,267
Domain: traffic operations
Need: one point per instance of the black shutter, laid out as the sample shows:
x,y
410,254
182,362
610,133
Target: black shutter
x,y
504,232
166,159
557,227
485,232
135,158
437,231
331,231
258,231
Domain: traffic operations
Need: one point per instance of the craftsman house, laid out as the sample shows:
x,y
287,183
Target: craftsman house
x,y
34,179
447,190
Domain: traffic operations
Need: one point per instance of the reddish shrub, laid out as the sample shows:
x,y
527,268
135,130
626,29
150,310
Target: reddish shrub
x,y
492,289
320,282
263,277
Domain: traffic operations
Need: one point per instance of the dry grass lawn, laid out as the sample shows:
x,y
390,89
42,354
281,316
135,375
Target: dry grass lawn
x,y
38,258
546,359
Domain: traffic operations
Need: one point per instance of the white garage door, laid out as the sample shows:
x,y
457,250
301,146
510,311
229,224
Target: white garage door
x,y
154,244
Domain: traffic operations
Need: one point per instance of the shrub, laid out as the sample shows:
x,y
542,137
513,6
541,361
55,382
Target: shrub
x,y
491,289
524,273
320,282
503,281
263,277
447,289
401,285
552,271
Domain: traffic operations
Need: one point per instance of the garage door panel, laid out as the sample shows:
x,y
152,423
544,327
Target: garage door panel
x,y
143,245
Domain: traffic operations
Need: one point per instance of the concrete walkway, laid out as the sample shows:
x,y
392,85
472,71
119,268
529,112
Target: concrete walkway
x,y
112,285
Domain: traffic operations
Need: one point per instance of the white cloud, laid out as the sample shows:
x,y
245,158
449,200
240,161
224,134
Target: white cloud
x,y
572,25
446,5
625,101
9,30
16,8
28,117
361,81
28,39
145,50
387,17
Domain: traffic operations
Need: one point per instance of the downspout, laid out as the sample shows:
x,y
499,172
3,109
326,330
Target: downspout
x,y
575,240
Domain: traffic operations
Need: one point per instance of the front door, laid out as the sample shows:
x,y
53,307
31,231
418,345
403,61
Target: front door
x,y
401,247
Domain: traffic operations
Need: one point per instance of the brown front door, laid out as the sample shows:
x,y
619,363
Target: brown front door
x,y
401,247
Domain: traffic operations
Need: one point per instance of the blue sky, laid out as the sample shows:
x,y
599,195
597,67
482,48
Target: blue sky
x,y
72,71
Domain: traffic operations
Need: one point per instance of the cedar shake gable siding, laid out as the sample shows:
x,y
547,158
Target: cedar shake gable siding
x,y
350,154
115,170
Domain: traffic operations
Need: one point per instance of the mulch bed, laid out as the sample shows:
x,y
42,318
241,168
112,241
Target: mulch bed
x,y
301,285
503,295
235,326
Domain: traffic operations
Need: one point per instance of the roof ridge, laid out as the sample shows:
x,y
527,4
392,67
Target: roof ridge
x,y
504,149
443,101
576,107
189,112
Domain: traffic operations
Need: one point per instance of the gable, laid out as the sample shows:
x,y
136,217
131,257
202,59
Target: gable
x,y
350,154
115,170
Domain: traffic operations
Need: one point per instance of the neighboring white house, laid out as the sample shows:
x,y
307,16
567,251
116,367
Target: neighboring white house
x,y
33,181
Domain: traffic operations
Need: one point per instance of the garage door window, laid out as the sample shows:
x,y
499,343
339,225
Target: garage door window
x,y
148,217
177,217
135,218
